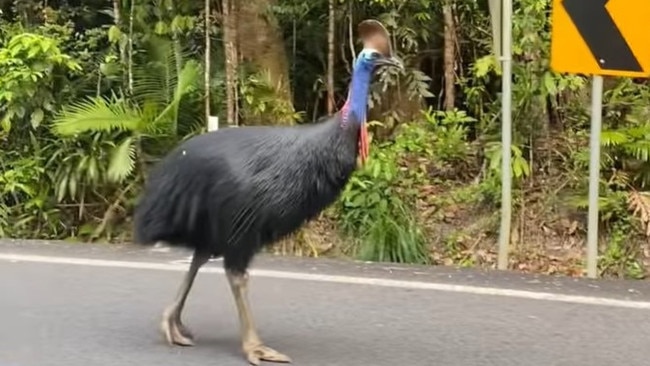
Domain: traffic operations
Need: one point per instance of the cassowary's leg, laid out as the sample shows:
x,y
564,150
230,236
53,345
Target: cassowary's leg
x,y
172,327
252,345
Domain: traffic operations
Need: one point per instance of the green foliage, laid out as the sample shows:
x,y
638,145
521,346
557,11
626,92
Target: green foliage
x,y
97,114
378,205
35,75
625,144
373,210
155,117
28,64
260,99
88,99
24,199
78,166
449,132
620,257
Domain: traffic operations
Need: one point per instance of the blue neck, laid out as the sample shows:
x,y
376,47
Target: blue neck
x,y
357,103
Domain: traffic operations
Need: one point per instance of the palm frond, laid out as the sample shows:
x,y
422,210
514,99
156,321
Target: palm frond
x,y
188,80
122,160
189,121
613,138
157,79
160,88
97,114
154,125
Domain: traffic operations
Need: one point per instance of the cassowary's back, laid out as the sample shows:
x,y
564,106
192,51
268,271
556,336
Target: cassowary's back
x,y
245,186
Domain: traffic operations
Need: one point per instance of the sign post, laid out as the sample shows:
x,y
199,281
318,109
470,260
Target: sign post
x,y
496,23
594,174
599,38
501,19
506,135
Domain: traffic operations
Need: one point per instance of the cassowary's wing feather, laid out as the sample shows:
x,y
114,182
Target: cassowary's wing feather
x,y
220,188
268,174
287,175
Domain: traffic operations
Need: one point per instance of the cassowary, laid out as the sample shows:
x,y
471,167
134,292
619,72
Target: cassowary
x,y
230,192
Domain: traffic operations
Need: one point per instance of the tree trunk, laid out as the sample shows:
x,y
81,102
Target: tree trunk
x,y
450,56
330,59
117,16
130,61
395,104
229,34
261,43
176,40
206,80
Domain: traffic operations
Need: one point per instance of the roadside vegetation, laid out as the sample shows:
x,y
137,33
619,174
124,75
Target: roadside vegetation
x,y
92,93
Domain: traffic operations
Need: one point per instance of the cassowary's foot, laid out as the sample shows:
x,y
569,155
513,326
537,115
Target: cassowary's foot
x,y
172,327
253,347
174,330
259,352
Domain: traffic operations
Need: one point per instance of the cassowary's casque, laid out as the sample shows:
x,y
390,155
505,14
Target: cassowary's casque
x,y
230,192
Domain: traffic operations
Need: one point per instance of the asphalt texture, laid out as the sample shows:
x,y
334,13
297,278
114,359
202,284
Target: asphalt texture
x,y
80,315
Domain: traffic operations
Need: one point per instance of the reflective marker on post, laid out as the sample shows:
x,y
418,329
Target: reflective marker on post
x,y
213,123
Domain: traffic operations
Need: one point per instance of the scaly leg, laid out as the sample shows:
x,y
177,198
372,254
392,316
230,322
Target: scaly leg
x,y
253,347
174,330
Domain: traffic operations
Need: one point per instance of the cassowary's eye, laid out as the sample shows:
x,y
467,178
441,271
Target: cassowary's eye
x,y
372,55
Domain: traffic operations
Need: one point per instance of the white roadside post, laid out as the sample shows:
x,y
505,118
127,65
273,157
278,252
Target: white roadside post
x,y
594,175
501,15
506,136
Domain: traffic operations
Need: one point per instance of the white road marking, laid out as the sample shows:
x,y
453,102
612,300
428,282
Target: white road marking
x,y
380,282
188,260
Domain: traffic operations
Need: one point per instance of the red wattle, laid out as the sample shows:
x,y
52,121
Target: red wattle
x,y
364,146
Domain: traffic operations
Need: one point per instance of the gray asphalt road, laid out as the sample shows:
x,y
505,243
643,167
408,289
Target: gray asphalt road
x,y
82,311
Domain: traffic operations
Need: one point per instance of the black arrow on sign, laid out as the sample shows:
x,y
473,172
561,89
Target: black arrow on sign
x,y
601,35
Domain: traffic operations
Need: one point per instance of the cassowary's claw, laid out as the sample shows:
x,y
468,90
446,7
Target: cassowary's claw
x,y
253,347
259,353
172,327
175,332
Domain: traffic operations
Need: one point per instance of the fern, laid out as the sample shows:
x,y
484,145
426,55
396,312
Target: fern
x,y
122,160
613,138
639,204
639,149
158,91
187,81
157,79
97,114
630,146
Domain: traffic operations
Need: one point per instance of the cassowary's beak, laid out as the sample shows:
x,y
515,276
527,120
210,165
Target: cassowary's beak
x,y
391,61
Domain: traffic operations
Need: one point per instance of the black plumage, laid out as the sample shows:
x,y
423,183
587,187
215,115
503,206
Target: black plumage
x,y
230,192
227,193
